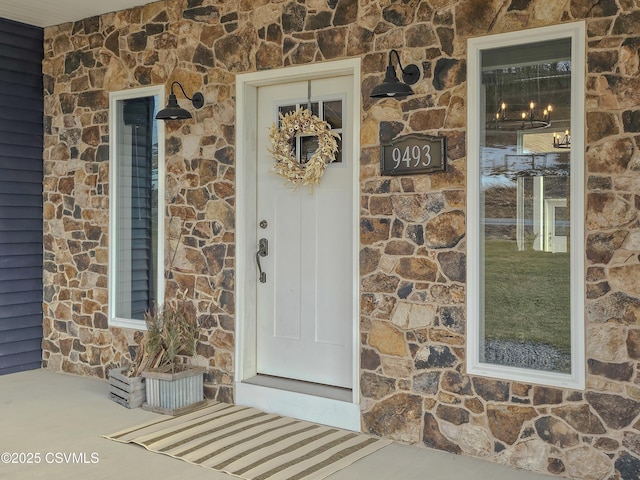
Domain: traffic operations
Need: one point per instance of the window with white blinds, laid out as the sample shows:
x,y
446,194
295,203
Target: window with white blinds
x,y
136,190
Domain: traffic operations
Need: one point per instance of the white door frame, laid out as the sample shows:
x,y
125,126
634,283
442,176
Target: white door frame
x,y
322,409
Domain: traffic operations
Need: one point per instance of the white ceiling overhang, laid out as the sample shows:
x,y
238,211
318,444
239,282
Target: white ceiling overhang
x,y
45,13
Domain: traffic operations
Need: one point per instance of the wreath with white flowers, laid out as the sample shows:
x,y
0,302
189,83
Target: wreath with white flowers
x,y
302,122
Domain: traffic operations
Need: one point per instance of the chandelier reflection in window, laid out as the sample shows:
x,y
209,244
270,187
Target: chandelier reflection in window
x,y
524,120
562,140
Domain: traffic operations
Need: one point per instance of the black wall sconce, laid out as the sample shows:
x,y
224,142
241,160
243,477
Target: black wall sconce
x,y
173,111
391,86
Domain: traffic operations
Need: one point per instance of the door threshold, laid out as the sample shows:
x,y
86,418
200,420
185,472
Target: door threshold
x,y
299,386
306,401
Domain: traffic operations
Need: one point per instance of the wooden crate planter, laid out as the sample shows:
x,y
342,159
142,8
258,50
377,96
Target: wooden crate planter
x,y
174,393
127,391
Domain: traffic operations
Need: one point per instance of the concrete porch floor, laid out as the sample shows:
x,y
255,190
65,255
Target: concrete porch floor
x,y
48,413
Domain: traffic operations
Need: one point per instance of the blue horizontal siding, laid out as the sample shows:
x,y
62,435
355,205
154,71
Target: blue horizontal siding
x,y
20,363
21,31
20,200
20,261
23,127
17,347
22,236
25,285
21,174
28,321
30,151
31,117
11,312
21,188
26,273
34,212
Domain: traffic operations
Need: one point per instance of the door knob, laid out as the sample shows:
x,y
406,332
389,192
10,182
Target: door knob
x,y
263,251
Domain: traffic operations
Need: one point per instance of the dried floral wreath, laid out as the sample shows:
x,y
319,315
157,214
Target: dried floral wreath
x,y
302,122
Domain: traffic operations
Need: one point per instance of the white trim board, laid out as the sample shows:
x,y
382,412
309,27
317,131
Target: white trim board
x,y
307,407
575,31
114,98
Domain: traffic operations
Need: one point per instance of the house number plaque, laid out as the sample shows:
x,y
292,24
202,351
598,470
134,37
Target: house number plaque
x,y
414,153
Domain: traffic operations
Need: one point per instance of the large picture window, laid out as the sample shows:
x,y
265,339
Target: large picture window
x,y
525,206
136,213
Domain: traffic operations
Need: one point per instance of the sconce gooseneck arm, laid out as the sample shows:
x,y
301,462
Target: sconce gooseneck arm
x,y
197,100
410,73
397,58
181,88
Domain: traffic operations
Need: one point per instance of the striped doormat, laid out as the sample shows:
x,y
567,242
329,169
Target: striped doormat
x,y
252,444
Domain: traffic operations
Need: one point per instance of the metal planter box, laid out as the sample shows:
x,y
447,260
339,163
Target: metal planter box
x,y
174,393
127,391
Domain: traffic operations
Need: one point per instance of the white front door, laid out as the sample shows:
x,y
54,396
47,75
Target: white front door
x,y
305,306
557,221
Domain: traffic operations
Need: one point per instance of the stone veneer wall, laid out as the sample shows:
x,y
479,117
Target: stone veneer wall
x,y
413,383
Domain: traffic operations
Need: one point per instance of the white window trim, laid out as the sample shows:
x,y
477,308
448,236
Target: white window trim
x,y
575,31
114,97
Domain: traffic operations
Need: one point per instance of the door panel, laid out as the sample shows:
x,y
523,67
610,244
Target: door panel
x,y
305,307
